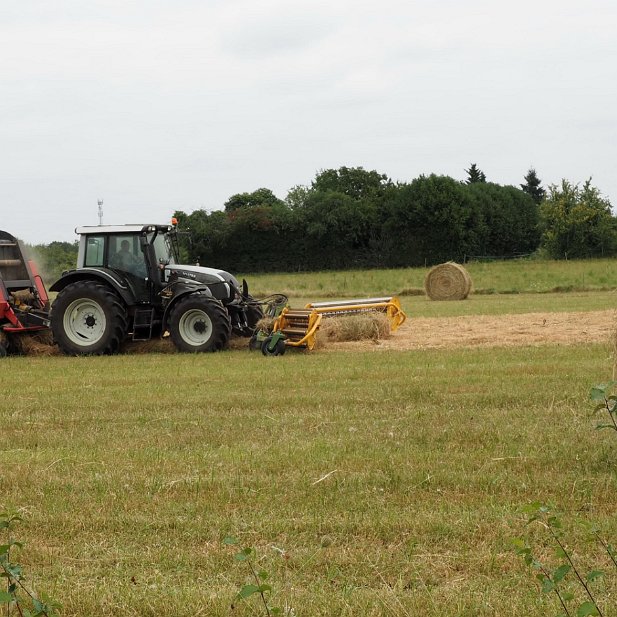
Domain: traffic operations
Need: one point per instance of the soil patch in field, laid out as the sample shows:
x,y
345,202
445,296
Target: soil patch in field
x,y
495,331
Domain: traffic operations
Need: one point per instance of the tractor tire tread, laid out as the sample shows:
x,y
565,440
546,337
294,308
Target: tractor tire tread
x,y
221,323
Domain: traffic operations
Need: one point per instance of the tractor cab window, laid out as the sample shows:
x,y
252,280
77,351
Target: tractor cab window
x,y
125,254
95,251
162,248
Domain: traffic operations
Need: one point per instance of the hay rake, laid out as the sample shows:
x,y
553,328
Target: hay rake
x,y
299,327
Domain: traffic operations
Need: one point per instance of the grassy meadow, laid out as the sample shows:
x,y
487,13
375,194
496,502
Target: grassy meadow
x,y
503,277
369,483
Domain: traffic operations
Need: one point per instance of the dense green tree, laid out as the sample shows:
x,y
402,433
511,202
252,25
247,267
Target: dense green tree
x,y
341,232
260,238
475,175
260,197
297,196
355,182
533,186
252,238
577,222
428,221
340,216
203,235
506,219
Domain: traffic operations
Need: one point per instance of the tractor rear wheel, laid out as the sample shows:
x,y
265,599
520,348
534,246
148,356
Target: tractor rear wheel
x,y
88,318
199,323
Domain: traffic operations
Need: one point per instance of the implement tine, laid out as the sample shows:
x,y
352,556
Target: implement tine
x,y
391,306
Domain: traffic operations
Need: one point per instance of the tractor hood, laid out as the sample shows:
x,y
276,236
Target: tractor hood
x,y
207,276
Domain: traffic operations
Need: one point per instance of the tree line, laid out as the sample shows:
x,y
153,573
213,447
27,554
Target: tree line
x,y
356,218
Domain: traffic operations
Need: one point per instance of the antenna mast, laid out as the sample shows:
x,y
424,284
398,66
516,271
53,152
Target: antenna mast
x,y
100,203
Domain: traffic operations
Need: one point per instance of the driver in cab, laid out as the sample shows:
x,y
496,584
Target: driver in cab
x,y
126,261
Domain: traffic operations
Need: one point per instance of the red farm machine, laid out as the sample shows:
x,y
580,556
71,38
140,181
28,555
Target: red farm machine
x,y
24,304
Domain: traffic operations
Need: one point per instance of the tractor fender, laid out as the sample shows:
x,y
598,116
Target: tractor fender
x,y
185,291
106,277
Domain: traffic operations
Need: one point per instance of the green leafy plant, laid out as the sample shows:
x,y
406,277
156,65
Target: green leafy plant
x,y
258,587
16,598
563,578
606,402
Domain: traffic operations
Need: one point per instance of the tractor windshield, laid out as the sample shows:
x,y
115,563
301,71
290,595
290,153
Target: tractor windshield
x,y
164,248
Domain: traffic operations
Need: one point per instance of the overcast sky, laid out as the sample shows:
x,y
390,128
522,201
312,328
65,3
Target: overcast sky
x,y
158,105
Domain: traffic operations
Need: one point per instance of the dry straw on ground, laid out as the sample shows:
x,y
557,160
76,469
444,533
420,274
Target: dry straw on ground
x,y
356,327
154,345
448,281
266,324
36,344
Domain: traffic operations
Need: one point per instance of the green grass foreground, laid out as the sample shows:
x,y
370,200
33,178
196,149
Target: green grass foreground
x,y
131,470
503,277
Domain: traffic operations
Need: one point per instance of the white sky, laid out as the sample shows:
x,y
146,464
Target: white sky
x,y
161,105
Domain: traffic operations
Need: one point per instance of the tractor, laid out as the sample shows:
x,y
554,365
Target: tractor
x,y
128,285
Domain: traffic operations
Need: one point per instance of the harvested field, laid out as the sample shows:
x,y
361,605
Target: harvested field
x,y
438,333
519,330
495,331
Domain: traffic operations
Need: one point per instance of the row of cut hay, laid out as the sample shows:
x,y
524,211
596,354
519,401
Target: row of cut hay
x,y
364,326
35,344
369,326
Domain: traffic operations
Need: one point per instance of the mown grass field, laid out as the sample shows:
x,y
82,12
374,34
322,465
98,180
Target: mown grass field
x,y
392,481
509,277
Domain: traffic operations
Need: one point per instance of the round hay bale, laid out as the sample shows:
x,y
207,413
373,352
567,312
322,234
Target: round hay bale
x,y
449,281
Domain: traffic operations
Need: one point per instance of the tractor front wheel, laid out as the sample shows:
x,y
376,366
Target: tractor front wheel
x,y
199,323
88,318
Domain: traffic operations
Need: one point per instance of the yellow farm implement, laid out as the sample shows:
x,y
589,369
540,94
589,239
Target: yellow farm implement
x,y
298,327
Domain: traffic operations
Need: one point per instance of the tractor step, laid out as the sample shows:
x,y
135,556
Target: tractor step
x,y
143,321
